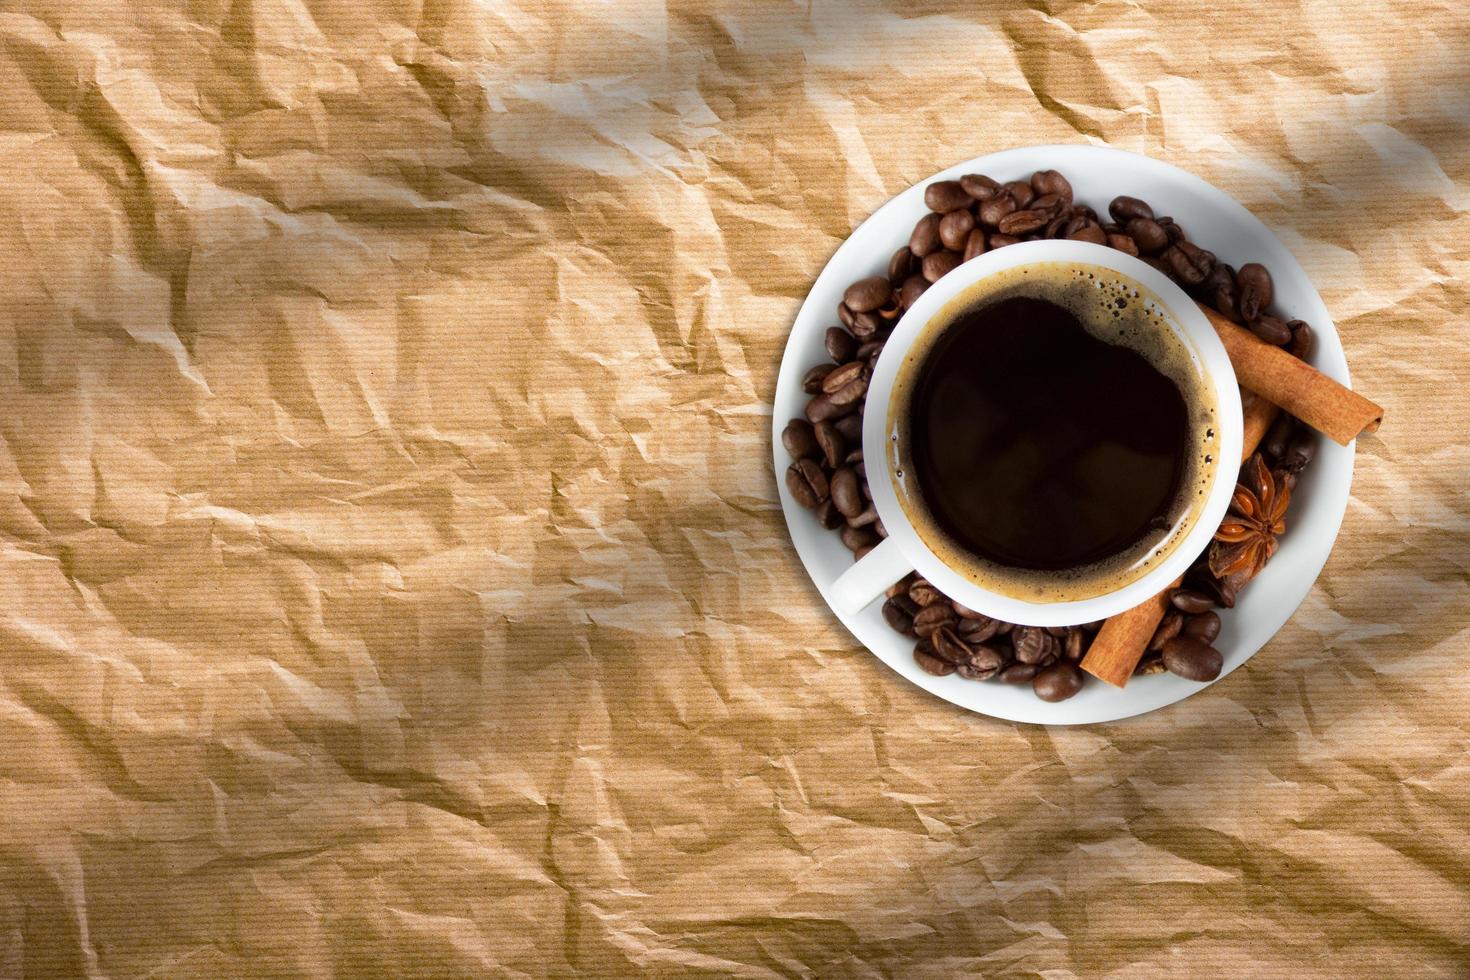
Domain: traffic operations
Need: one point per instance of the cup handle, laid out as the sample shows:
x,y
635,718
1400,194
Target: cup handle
x,y
869,577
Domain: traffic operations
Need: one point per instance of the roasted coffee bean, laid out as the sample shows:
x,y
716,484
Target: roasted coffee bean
x,y
1001,241
1033,644
979,186
1152,663
1205,626
1299,450
868,517
1253,290
898,618
1021,191
856,456
863,330
1271,329
827,515
1223,590
1006,628
951,649
965,612
1093,626
1023,222
1148,235
844,315
1058,682
1301,339
925,238
1276,438
1124,209
978,630
955,228
852,392
1168,629
1219,290
1017,673
937,265
869,351
934,616
865,325
823,408
1186,600
1045,182
982,663
997,207
1155,262
1055,227
1060,632
1273,444
946,195
807,483
891,310
1189,262
947,645
858,538
878,526
900,266
1192,658
913,288
841,345
1222,276
811,382
846,495
867,294
929,662
1172,231
841,376
1048,204
799,439
1123,244
1075,645
1223,300
923,594
901,596
850,427
901,587
1090,232
830,443
974,244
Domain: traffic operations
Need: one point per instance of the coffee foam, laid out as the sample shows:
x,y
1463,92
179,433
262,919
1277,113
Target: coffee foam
x,y
1113,309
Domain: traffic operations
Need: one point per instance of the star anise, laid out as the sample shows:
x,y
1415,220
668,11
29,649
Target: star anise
x,y
1246,539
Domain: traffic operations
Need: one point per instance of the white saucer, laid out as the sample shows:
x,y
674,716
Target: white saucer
x,y
1214,221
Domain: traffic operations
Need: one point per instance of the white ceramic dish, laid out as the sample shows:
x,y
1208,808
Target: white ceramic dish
x,y
1214,221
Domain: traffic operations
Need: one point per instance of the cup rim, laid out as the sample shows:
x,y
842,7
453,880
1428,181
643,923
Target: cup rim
x,y
1197,332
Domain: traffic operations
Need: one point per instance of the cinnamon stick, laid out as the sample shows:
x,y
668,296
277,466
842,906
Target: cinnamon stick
x,y
1336,411
1120,644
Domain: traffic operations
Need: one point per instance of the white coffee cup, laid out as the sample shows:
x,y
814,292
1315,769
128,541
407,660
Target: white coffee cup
x,y
904,550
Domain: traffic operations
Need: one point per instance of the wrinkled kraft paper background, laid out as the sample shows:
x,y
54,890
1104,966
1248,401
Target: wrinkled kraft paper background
x,y
393,578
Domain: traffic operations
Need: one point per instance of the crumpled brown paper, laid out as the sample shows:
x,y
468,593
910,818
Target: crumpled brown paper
x,y
393,578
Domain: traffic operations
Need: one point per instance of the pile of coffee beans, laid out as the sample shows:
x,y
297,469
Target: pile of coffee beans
x,y
968,217
955,640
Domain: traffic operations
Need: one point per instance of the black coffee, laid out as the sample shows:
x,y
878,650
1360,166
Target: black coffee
x,y
1038,444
